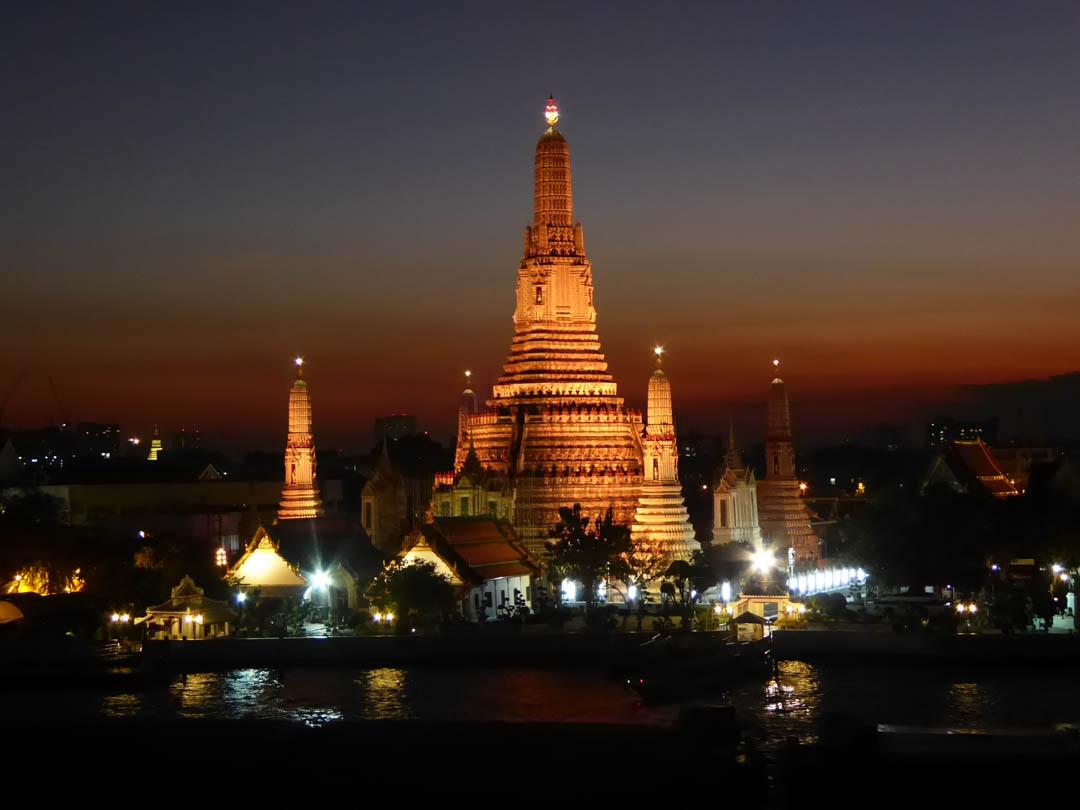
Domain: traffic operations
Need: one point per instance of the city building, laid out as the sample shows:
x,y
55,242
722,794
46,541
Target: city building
x,y
555,425
300,495
783,515
661,511
943,430
491,571
187,441
735,507
156,448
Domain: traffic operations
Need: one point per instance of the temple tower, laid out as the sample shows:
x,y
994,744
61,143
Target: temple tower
x,y
466,410
299,497
735,508
661,512
556,426
784,516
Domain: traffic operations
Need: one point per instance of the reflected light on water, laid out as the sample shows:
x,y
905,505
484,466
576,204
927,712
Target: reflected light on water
x,y
122,705
198,694
968,705
791,704
383,694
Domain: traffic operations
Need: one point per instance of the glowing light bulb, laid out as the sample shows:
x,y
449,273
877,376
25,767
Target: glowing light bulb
x,y
467,374
551,112
299,361
776,363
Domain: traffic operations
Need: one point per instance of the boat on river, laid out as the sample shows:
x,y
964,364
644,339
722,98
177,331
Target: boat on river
x,y
675,678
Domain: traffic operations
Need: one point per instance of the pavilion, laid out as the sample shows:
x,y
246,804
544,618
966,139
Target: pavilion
x,y
188,614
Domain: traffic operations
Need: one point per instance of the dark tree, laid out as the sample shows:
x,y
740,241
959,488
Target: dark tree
x,y
589,555
411,589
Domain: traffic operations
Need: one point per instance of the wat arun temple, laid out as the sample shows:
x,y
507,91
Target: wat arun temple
x,y
555,430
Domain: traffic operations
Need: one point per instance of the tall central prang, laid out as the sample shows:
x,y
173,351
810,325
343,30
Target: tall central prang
x,y
556,427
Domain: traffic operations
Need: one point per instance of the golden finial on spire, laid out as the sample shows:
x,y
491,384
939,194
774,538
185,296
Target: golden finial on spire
x,y
551,112
467,374
659,352
299,366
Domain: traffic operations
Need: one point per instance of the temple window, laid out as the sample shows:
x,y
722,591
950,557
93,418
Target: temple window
x,y
367,516
723,514
464,507
539,294
655,469
776,464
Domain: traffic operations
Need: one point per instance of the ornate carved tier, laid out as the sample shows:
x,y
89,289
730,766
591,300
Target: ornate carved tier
x,y
300,495
556,425
661,514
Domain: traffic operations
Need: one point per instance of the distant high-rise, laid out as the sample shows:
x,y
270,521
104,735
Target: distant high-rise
x,y
155,446
187,441
661,512
783,515
300,495
943,431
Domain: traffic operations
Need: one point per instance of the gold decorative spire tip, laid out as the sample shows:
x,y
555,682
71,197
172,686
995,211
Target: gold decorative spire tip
x,y
299,366
659,352
551,112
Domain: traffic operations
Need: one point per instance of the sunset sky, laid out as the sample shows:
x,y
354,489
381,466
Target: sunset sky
x,y
884,195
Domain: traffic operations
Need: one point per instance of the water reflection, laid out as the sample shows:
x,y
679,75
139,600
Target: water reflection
x,y
795,704
122,705
383,694
789,704
197,695
245,691
967,705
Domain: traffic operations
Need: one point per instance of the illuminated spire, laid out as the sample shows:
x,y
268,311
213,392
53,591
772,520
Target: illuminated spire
x,y
659,420
551,112
300,496
661,513
732,459
553,230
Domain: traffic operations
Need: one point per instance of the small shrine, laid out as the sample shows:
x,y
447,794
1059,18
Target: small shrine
x,y
188,614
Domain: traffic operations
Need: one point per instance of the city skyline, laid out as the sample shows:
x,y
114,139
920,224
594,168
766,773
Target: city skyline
x,y
882,220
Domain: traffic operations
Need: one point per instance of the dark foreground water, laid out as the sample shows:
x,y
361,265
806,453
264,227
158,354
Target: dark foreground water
x,y
794,705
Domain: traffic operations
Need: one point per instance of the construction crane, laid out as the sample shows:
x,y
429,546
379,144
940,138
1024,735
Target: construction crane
x,y
10,393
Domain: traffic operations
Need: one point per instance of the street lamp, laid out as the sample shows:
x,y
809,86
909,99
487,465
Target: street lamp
x,y
763,561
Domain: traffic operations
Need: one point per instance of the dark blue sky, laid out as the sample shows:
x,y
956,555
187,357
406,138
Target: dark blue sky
x,y
883,194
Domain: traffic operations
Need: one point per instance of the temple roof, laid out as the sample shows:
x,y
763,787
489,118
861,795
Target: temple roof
x,y
187,597
477,549
262,566
971,462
